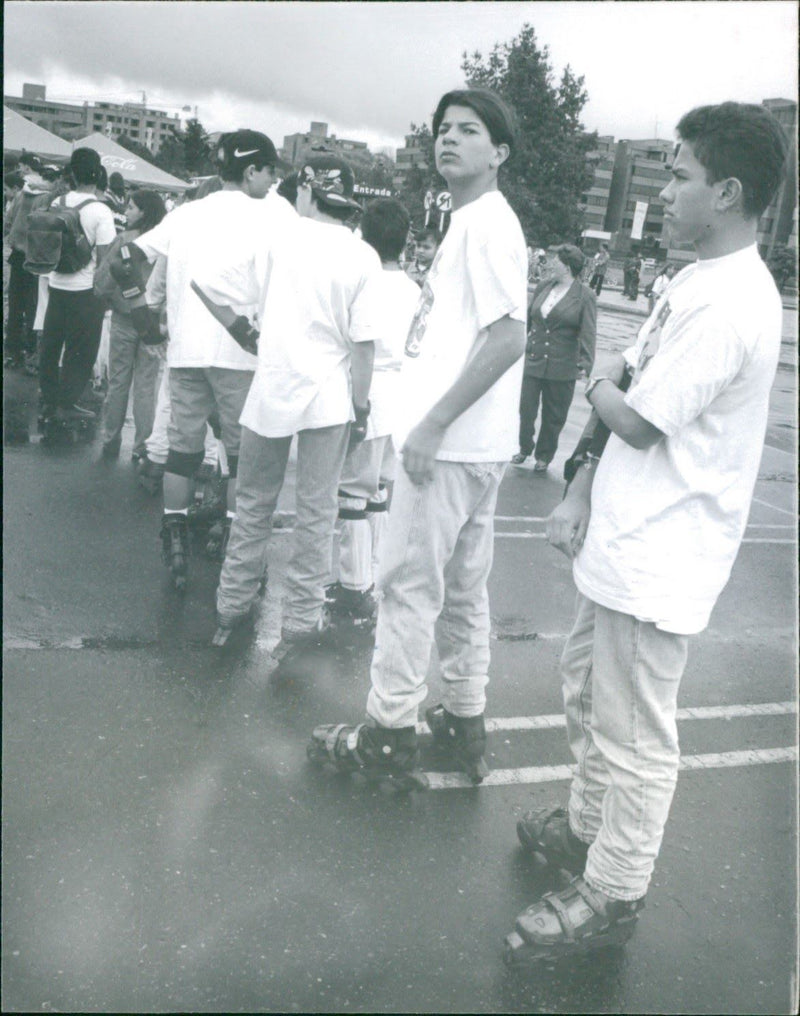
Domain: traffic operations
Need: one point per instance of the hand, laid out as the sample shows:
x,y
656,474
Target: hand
x,y
567,525
419,451
358,427
615,371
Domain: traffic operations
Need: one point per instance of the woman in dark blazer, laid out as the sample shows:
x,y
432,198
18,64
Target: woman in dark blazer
x,y
562,320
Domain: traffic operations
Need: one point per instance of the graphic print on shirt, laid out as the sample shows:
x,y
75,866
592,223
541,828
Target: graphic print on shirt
x,y
419,322
650,347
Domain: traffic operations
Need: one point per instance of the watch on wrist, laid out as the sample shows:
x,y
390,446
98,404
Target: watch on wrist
x,y
592,383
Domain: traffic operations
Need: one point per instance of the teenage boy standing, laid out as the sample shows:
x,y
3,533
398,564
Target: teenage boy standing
x,y
313,288
666,509
461,372
74,316
209,369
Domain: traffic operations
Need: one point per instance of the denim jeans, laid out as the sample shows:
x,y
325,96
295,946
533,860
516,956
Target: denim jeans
x,y
620,680
262,468
435,563
129,362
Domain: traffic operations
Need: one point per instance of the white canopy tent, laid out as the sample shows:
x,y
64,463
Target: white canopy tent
x,y
135,170
23,135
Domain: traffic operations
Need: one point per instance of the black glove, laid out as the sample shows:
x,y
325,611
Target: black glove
x,y
358,427
145,321
245,334
126,273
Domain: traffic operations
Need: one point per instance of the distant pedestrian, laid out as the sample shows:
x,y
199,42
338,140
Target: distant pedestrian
x,y
562,321
599,268
654,289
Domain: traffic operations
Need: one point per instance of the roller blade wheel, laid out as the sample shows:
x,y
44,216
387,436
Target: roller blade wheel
x,y
175,549
545,835
462,740
341,747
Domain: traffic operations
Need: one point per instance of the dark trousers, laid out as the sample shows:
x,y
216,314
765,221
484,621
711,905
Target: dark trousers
x,y
596,282
556,398
23,295
73,322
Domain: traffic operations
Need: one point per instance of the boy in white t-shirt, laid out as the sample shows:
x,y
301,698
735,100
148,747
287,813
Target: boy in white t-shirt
x,y
462,370
211,368
74,317
655,527
313,290
363,499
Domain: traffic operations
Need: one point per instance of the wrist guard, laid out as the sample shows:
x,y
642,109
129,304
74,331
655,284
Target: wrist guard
x,y
245,334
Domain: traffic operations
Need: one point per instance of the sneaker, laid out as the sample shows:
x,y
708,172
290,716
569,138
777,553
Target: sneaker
x,y
540,466
519,458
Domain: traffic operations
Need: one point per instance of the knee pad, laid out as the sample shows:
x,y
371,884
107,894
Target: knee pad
x,y
183,463
351,509
233,465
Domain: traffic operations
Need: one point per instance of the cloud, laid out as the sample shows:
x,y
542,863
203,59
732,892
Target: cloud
x,y
369,69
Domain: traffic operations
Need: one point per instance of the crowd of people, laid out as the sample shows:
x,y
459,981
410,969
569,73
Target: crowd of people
x,y
279,320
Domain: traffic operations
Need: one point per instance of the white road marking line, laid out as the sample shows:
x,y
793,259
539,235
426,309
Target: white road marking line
x,y
552,774
556,720
774,507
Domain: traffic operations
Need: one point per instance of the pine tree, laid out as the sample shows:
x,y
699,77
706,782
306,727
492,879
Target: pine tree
x,y
547,173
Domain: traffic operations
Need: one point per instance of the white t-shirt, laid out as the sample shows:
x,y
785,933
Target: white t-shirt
x,y
667,521
479,275
218,228
312,287
395,298
98,225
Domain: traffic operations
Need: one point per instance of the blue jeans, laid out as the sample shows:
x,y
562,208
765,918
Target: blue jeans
x,y
262,468
435,563
620,680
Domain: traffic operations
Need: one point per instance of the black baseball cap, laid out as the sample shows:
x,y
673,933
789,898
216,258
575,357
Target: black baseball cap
x,y
240,148
331,180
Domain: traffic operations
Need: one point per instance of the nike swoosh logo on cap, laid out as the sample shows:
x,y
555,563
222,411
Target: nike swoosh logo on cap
x,y
240,155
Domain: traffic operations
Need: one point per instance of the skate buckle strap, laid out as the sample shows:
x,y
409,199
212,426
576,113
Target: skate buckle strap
x,y
555,903
591,898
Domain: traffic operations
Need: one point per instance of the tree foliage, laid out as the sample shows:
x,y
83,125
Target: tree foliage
x,y
418,181
783,265
547,173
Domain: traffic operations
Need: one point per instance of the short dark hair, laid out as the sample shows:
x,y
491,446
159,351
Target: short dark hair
x,y
152,206
742,140
85,166
116,183
384,226
429,233
492,110
287,188
570,256
13,179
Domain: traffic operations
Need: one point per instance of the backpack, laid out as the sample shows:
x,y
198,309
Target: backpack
x,y
56,240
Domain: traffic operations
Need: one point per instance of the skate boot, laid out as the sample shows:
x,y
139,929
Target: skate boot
x,y
546,834
208,506
175,547
463,740
293,642
377,753
356,607
227,625
151,475
572,921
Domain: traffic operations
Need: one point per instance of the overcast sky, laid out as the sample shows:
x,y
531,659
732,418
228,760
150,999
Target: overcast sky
x,y
370,69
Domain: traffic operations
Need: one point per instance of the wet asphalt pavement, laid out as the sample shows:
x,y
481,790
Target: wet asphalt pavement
x,y
167,847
